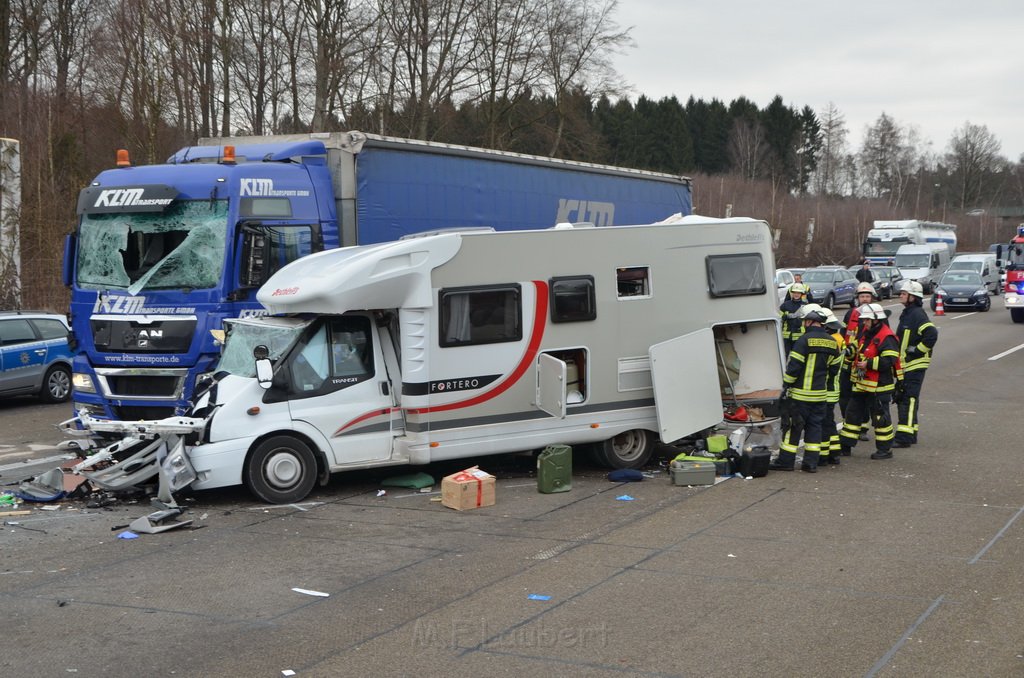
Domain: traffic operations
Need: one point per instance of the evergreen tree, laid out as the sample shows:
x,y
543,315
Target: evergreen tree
x,y
809,148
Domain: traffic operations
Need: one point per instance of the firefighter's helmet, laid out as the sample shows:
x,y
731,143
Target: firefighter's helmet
x,y
913,287
813,312
872,312
866,287
798,288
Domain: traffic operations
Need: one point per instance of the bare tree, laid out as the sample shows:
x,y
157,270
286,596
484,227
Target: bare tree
x,y
833,148
747,147
973,156
580,37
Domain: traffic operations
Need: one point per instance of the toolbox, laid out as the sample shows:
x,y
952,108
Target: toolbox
x,y
753,461
692,472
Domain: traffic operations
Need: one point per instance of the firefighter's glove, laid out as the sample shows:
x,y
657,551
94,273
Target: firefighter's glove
x,y
912,352
785,393
900,393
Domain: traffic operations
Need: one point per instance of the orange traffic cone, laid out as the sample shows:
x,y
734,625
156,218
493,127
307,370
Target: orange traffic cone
x,y
939,310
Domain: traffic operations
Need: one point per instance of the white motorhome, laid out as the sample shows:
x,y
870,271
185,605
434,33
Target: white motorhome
x,y
923,263
461,344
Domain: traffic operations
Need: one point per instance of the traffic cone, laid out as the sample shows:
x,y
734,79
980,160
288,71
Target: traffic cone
x,y
939,310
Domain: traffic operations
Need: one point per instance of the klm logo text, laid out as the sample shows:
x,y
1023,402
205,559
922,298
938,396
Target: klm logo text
x,y
119,305
597,213
257,187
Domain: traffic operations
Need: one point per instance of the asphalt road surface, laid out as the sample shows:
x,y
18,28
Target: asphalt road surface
x,y
907,567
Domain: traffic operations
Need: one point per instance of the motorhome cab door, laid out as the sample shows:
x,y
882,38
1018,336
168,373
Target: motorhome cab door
x,y
340,387
687,395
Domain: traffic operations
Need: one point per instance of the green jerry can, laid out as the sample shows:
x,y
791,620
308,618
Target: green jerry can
x,y
554,469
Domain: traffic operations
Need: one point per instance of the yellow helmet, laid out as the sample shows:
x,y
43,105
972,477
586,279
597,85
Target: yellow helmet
x,y
799,288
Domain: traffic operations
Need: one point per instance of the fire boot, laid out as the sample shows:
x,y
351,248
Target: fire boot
x,y
786,461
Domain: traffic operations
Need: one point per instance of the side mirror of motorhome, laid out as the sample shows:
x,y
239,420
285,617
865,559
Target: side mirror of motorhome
x,y
264,369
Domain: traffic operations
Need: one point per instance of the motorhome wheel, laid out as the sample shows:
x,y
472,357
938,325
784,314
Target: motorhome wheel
x,y
630,449
281,470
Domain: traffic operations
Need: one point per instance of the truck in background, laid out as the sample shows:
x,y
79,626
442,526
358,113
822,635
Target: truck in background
x,y
887,237
162,254
1013,291
923,263
458,345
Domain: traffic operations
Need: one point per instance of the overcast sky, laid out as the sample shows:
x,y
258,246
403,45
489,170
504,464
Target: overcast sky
x,y
933,65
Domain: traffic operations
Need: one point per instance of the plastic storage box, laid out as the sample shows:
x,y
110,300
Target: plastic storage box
x,y
692,472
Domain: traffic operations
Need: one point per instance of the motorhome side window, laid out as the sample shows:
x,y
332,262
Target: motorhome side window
x,y
337,355
731,275
633,281
572,299
266,249
480,315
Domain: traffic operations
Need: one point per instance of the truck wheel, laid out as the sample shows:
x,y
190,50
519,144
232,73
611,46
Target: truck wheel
x,y
630,449
280,470
56,385
1017,315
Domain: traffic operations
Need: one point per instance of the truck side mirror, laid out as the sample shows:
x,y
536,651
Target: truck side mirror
x,y
67,270
264,368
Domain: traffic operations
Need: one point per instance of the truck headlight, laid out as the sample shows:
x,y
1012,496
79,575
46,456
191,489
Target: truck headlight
x,y
82,383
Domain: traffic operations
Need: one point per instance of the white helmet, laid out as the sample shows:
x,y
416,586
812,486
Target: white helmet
x,y
831,321
872,312
913,287
866,287
813,312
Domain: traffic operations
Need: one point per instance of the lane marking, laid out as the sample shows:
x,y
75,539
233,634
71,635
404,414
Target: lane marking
x,y
965,315
997,356
999,534
880,664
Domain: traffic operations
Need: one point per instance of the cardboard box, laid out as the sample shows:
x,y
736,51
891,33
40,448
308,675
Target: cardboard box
x,y
468,489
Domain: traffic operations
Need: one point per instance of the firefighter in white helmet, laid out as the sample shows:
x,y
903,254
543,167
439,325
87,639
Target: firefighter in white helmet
x,y
851,321
805,390
917,336
876,370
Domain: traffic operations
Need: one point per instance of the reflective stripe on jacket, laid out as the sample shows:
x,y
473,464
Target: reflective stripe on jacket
x,y
882,354
917,335
808,368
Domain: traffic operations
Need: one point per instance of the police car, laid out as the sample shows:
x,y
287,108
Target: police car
x,y
35,355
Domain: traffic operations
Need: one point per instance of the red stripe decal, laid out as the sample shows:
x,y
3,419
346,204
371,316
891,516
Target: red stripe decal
x,y
540,314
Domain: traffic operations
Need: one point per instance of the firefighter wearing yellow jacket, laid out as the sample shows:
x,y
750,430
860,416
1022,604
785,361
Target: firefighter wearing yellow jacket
x,y
830,448
876,371
917,336
792,326
805,390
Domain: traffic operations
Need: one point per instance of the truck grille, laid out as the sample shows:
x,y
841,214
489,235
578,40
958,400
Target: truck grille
x,y
116,335
141,383
135,413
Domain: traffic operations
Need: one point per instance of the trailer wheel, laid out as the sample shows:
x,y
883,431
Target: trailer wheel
x,y
1017,315
630,449
280,470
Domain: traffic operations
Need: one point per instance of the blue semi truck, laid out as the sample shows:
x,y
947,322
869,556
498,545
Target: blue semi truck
x,y
162,254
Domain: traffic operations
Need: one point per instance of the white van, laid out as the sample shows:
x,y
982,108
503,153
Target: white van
x,y
461,344
983,264
923,263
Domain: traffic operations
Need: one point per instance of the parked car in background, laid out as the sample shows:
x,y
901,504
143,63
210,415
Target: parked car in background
x,y
783,279
831,285
885,279
35,357
962,290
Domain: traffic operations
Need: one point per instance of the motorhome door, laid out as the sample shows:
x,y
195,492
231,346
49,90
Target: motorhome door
x,y
552,390
687,395
341,389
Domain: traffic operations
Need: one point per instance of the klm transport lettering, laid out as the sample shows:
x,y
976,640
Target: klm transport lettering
x,y
264,188
121,305
127,197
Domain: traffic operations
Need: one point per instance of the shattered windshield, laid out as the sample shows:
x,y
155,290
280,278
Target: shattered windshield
x,y
243,336
182,247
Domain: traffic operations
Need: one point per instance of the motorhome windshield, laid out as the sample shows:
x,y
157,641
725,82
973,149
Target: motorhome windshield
x,y
887,247
243,336
182,247
913,260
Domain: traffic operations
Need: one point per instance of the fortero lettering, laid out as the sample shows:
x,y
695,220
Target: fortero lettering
x,y
454,385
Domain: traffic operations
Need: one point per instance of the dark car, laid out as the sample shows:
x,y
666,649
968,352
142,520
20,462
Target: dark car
x,y
962,290
885,279
831,285
35,357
